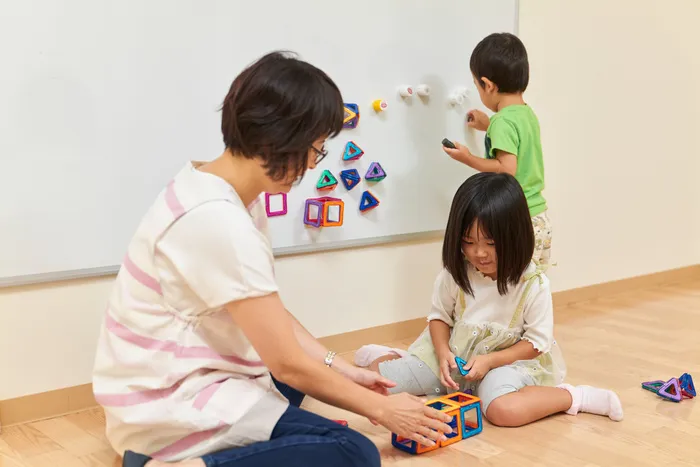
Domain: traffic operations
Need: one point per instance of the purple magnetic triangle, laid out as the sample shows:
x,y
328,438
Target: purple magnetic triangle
x,y
371,171
671,383
687,385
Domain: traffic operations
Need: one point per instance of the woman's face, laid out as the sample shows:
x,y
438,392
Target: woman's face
x,y
316,153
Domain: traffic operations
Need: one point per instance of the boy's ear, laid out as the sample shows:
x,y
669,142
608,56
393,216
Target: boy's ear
x,y
489,86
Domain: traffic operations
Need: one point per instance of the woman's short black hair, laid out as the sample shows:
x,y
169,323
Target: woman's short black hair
x,y
497,201
502,58
276,108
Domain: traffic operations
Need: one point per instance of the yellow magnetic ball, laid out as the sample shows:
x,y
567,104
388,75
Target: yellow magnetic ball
x,y
379,105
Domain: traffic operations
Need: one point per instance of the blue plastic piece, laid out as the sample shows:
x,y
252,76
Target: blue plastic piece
x,y
409,446
350,178
460,366
368,201
687,385
468,431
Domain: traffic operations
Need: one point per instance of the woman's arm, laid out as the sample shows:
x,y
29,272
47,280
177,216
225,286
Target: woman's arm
x,y
316,350
270,329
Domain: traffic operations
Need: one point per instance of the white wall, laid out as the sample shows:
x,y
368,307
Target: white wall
x,y
616,87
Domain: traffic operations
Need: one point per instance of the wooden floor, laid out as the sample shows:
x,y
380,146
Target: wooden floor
x,y
615,342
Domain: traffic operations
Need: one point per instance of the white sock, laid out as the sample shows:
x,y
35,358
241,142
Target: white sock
x,y
369,353
594,400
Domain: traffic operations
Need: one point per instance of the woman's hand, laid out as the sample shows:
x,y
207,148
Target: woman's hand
x,y
478,120
447,364
478,366
409,417
370,379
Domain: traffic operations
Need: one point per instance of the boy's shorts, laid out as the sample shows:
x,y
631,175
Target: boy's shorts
x,y
543,239
413,376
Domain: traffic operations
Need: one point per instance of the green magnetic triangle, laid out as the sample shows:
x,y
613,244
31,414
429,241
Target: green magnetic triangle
x,y
326,179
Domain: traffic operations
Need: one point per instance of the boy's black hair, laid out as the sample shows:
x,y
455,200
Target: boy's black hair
x,y
276,108
502,58
497,201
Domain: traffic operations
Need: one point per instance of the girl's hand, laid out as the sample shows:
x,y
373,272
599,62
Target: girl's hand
x,y
478,367
461,153
408,416
447,364
478,120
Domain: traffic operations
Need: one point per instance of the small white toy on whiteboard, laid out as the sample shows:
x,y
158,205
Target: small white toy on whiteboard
x,y
423,90
405,91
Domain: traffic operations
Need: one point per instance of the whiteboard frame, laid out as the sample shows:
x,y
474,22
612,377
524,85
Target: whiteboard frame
x,y
87,273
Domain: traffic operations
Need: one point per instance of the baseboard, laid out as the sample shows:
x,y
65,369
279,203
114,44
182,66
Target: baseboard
x,y
606,289
73,399
46,405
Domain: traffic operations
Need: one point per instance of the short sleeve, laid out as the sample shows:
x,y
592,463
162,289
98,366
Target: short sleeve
x,y
219,254
538,316
257,212
503,136
444,298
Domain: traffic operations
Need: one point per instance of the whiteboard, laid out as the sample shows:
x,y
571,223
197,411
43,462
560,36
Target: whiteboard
x,y
102,102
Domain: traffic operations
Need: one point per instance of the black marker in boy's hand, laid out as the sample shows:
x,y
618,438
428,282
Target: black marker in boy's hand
x,y
448,144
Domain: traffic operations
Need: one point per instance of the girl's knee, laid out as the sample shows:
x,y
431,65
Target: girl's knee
x,y
503,412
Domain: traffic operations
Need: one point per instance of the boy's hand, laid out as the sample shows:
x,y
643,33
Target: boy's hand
x,y
478,120
460,153
478,367
447,364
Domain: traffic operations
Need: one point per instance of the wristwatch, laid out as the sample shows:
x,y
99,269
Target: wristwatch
x,y
329,358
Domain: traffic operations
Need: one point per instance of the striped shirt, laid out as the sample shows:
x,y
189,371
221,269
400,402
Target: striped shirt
x,y
177,378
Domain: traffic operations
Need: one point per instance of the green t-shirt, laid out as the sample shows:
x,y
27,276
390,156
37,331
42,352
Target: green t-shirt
x,y
515,129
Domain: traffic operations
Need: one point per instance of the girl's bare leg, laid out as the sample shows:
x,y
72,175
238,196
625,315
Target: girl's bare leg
x,y
533,403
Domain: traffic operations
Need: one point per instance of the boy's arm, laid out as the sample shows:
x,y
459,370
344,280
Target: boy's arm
x,y
504,162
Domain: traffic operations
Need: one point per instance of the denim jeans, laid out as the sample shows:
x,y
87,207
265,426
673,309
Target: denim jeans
x,y
302,439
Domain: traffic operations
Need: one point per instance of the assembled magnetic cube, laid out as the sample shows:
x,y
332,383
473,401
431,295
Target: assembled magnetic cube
x,y
324,212
466,422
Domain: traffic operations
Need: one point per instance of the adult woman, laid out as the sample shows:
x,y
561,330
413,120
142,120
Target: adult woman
x,y
195,327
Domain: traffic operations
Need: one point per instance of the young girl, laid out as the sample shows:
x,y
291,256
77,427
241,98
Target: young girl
x,y
492,307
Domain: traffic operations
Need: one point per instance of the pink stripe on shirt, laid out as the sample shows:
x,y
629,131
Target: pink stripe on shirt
x,y
186,443
135,398
172,201
141,276
179,351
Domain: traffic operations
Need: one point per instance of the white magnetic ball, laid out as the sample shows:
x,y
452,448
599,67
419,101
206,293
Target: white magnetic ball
x,y
457,99
423,90
405,91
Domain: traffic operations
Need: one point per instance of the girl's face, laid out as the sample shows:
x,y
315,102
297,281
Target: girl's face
x,y
480,251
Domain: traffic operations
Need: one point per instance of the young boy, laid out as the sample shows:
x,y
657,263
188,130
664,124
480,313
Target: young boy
x,y
500,70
